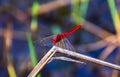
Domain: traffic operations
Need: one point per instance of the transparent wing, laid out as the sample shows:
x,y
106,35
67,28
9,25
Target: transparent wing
x,y
45,41
43,45
65,44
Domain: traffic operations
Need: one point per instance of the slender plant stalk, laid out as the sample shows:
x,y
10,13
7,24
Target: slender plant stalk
x,y
8,40
115,16
87,58
79,56
32,52
116,21
43,62
34,27
79,10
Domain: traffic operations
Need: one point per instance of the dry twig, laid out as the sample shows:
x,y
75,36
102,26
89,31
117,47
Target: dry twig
x,y
79,56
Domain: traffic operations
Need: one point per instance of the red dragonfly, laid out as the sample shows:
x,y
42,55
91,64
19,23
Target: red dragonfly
x,y
61,39
61,36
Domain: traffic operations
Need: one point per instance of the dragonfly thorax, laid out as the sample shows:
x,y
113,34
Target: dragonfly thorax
x,y
58,38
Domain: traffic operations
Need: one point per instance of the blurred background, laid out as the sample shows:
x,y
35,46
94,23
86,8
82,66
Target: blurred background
x,y
24,21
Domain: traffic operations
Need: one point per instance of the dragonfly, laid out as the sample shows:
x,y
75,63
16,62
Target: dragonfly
x,y
61,40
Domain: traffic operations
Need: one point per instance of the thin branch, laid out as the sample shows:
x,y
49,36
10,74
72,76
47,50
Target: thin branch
x,y
87,58
107,52
66,59
79,56
110,40
43,62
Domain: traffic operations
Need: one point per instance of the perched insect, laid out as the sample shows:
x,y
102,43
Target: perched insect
x,y
60,39
61,36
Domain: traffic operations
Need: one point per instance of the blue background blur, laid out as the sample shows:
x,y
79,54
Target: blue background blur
x,y
15,17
